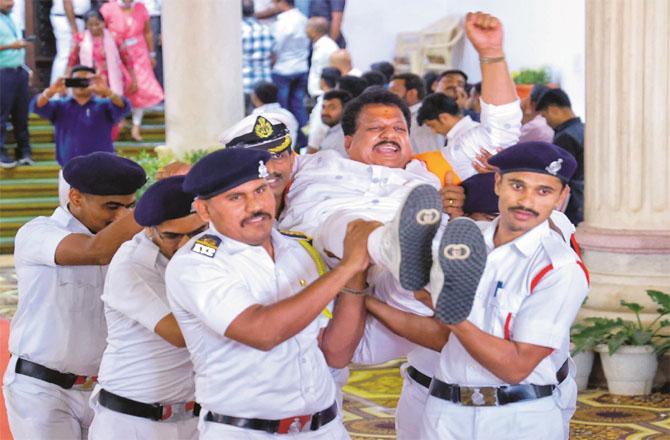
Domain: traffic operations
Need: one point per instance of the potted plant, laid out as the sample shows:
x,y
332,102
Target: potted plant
x,y
526,78
581,350
628,349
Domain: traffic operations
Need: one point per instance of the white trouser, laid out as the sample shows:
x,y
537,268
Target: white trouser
x,y
410,408
138,114
41,410
63,190
528,420
63,34
216,431
112,425
566,396
340,376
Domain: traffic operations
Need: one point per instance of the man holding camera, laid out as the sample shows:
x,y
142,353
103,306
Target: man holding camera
x,y
83,120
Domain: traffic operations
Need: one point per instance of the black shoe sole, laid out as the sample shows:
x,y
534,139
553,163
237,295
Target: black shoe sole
x,y
419,219
462,258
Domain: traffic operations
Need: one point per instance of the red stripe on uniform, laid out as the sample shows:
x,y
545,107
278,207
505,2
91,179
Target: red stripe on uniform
x,y
507,322
586,271
575,246
539,276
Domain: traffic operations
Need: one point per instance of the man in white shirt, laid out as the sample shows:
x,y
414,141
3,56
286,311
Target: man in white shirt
x,y
317,129
322,47
58,333
290,69
341,60
66,18
411,89
331,115
264,100
247,299
145,385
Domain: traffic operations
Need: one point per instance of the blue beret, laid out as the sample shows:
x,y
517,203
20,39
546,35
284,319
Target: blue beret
x,y
164,200
536,157
225,169
104,174
480,194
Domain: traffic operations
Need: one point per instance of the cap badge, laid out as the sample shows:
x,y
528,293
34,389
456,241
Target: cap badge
x,y
262,170
554,167
263,128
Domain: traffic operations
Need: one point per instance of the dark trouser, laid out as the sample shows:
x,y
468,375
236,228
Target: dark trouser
x,y
14,99
158,47
291,96
575,208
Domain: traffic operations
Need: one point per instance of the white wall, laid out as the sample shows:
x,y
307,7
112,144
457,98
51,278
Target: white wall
x,y
537,33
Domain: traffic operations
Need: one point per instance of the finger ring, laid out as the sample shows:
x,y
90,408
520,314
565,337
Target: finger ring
x,y
451,202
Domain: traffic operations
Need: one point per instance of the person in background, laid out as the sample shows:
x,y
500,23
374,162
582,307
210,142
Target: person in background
x,y
331,10
352,84
66,18
331,115
128,21
322,47
430,78
257,45
374,78
554,105
290,69
341,60
264,99
154,8
14,91
535,127
386,68
474,97
317,129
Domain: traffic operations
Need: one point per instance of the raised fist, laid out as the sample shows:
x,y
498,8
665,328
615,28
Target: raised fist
x,y
485,32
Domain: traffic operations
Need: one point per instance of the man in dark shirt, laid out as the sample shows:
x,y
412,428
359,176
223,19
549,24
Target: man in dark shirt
x,y
555,107
332,11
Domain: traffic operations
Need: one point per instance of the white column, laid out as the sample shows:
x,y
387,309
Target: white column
x,y
202,51
626,233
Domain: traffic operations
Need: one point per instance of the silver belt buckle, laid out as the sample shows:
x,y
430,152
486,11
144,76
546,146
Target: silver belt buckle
x,y
479,396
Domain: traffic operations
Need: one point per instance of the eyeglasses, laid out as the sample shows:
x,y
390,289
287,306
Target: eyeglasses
x,y
176,236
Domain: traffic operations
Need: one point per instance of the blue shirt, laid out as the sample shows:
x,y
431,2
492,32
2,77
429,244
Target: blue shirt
x,y
257,45
8,35
81,129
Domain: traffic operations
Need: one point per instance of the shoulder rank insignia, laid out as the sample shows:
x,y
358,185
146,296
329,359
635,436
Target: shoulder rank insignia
x,y
263,128
206,245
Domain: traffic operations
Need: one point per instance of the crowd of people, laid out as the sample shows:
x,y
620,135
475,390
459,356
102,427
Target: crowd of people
x,y
230,300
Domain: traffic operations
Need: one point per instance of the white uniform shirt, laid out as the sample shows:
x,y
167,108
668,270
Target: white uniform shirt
x,y
321,51
317,129
334,140
137,363
325,183
500,127
59,322
504,305
80,7
207,293
422,137
287,117
291,43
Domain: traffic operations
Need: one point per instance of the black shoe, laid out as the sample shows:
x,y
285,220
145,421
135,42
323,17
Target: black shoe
x,y
26,160
6,161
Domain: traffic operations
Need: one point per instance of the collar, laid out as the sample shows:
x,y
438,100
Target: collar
x,y
415,108
461,126
334,128
526,243
267,108
568,123
148,253
65,218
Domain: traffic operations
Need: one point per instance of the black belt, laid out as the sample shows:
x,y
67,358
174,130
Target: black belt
x,y
488,396
562,372
63,380
153,411
81,17
283,426
418,376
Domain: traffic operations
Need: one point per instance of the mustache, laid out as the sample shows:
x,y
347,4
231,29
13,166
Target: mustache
x,y
256,215
522,209
388,142
274,176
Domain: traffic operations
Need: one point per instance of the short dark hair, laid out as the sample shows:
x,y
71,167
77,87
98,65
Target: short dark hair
x,y
374,78
288,2
536,92
435,104
93,13
384,67
429,78
451,72
376,96
352,84
266,92
342,95
82,68
478,87
413,82
247,8
555,97
330,75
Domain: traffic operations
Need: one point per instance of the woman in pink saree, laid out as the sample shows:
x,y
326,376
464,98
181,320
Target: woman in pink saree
x,y
128,21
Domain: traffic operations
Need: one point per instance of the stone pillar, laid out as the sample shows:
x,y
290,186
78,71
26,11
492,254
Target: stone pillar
x,y
626,233
202,52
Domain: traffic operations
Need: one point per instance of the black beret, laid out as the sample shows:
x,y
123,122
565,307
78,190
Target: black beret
x,y
480,194
536,157
104,174
225,169
164,200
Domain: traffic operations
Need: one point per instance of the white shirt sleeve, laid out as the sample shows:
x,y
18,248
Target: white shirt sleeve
x,y
36,242
545,316
214,294
129,291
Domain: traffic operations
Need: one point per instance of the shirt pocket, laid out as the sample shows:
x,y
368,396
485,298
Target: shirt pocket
x,y
504,307
81,287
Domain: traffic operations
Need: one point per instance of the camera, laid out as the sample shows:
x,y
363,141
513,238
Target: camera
x,y
80,83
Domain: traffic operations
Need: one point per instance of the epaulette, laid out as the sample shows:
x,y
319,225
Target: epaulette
x,y
559,252
206,245
295,234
